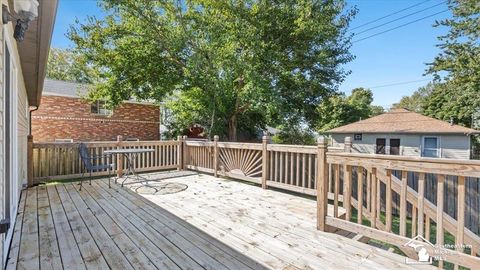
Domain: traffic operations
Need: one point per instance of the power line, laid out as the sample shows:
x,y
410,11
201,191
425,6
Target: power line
x,y
403,17
398,83
388,15
402,25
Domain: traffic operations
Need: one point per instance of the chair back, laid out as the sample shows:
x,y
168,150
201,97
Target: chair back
x,y
85,156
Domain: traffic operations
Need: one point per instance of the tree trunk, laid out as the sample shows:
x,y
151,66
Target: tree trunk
x,y
232,128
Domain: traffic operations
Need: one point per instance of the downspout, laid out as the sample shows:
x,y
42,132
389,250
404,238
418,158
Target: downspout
x,y
30,150
30,120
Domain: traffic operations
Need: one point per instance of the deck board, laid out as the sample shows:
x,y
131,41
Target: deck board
x,y
213,224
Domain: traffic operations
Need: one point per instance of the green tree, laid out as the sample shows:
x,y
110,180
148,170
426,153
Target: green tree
x,y
65,65
416,101
458,65
292,132
229,64
339,110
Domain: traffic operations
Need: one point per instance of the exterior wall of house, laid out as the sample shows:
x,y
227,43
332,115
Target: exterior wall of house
x,y
60,117
2,144
451,146
19,123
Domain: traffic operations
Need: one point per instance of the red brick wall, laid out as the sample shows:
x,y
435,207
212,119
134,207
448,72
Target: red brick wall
x,y
71,118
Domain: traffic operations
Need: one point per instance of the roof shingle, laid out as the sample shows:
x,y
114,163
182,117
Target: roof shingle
x,y
402,121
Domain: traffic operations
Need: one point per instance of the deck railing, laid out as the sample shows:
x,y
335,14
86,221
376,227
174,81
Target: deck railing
x,y
61,161
389,198
379,178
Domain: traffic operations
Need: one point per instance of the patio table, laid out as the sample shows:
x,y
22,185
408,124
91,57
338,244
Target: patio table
x,y
130,154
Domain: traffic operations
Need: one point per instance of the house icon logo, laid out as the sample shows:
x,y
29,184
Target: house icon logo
x,y
419,244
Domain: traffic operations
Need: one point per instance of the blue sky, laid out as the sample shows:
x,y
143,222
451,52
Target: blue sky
x,y
394,57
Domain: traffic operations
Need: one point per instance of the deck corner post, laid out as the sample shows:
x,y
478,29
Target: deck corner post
x,y
264,161
348,144
184,152
215,155
119,157
322,184
29,160
179,153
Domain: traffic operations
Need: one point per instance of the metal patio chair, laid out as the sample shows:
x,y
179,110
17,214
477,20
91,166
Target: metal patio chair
x,y
89,166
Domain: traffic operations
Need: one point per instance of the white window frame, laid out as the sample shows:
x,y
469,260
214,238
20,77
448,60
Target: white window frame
x,y
439,152
106,112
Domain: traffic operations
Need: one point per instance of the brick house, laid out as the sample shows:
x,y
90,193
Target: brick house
x,y
65,116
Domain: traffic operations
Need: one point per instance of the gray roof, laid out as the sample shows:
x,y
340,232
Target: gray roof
x,y
63,88
73,89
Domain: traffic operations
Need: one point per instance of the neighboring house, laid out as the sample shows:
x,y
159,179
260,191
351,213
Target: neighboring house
x,y
22,69
66,116
402,132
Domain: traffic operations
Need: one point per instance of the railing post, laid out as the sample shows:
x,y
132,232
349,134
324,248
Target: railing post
x,y
348,144
184,152
29,160
179,153
264,161
215,155
119,157
322,184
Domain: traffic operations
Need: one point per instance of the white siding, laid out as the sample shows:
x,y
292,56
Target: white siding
x,y
2,175
451,146
22,129
455,146
19,128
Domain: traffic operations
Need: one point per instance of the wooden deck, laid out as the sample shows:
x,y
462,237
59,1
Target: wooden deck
x,y
182,221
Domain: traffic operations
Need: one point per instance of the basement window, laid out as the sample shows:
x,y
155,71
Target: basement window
x,y
100,108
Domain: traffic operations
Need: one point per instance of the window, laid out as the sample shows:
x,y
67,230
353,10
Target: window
x,y
357,137
99,107
430,147
394,146
380,146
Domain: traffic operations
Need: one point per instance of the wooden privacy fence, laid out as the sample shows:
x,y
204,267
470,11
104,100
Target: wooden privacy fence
x,y
388,198
61,161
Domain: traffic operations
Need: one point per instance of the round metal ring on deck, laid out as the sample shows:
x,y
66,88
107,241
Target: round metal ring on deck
x,y
158,188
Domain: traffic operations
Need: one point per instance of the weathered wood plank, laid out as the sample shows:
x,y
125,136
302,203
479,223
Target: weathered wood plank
x,y
110,251
91,254
29,256
70,253
469,168
17,232
49,251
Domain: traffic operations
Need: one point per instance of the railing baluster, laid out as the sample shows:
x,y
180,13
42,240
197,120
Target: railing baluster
x,y
427,228
291,169
309,178
373,198
388,202
460,213
359,195
336,189
414,221
281,167
297,178
368,178
420,202
347,191
285,167
276,172
403,205
304,169
439,221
